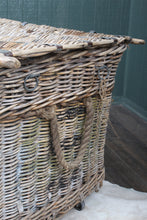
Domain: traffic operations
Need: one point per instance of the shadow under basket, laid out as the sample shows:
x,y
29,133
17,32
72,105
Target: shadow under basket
x,y
55,95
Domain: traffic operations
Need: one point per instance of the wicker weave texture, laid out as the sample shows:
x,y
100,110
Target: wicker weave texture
x,y
63,77
55,95
31,176
24,39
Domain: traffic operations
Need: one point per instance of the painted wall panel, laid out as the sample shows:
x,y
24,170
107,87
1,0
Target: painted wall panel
x,y
3,8
15,9
136,67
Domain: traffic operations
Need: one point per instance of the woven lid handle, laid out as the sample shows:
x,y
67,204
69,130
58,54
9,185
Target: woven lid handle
x,y
137,41
7,61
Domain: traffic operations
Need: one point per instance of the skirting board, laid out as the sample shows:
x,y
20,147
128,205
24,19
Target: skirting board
x,y
130,105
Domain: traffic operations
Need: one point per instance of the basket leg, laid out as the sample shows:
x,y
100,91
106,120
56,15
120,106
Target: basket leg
x,y
80,206
97,189
101,183
98,186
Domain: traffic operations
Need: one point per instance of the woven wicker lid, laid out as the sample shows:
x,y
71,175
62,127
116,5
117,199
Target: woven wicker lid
x,y
28,40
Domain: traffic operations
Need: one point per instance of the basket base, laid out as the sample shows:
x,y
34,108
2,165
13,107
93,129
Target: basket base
x,y
65,204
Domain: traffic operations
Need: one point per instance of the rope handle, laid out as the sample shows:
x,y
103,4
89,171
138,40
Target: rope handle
x,y
102,84
49,114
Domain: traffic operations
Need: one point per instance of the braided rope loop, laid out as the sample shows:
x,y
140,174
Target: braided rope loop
x,y
85,136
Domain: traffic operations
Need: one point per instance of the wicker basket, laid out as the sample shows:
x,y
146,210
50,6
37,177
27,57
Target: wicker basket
x,y
55,94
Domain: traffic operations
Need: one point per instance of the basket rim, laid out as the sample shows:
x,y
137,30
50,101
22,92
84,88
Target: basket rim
x,y
23,40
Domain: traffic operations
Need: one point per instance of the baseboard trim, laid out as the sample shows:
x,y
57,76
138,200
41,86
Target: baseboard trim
x,y
130,105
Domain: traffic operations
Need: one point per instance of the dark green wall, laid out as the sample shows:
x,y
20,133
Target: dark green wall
x,y
135,84
107,16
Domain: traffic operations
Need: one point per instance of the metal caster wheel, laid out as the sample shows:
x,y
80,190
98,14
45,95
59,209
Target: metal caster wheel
x,y
80,206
